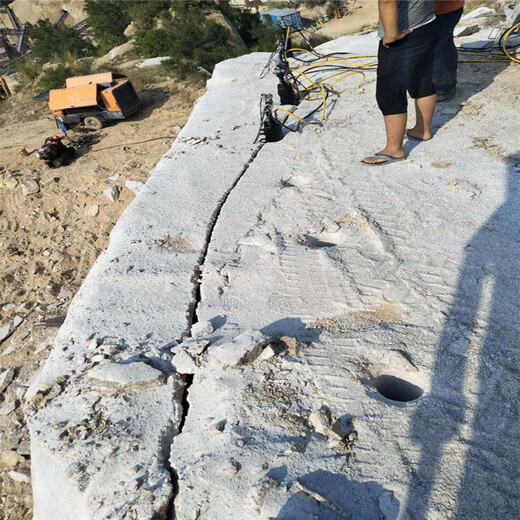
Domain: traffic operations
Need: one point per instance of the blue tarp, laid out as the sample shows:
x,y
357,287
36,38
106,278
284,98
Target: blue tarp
x,y
288,16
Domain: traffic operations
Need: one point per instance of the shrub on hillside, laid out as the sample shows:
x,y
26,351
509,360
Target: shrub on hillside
x,y
145,13
28,69
108,19
193,39
189,37
257,35
51,41
333,6
311,4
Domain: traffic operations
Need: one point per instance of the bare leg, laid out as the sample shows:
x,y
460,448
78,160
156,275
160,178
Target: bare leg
x,y
395,126
424,109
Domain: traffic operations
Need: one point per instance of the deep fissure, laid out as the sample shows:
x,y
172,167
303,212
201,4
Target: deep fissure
x,y
194,318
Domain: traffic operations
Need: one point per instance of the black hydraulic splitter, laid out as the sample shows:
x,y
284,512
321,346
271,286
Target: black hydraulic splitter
x,y
271,130
288,95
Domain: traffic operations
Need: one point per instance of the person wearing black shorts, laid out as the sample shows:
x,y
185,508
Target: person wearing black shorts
x,y
405,64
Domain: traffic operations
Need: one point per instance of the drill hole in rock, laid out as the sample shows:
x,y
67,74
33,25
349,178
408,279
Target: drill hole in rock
x,y
397,389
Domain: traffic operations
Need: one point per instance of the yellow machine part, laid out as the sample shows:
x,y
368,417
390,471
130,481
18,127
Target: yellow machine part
x,y
4,89
65,98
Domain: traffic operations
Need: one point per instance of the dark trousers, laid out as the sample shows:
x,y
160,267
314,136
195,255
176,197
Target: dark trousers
x,y
405,66
445,56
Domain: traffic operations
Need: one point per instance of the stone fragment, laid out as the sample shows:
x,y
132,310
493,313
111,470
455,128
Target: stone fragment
x,y
65,294
135,185
11,183
23,475
111,378
184,363
152,62
201,328
97,358
267,353
10,459
343,426
291,344
93,211
241,350
194,346
114,177
30,187
6,376
7,330
8,307
7,407
465,31
112,193
218,427
459,347
24,448
321,420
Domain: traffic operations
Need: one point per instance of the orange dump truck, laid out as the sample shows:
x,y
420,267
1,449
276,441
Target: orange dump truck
x,y
94,99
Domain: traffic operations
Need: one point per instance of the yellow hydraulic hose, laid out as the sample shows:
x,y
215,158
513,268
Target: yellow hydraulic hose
x,y
349,66
292,115
504,43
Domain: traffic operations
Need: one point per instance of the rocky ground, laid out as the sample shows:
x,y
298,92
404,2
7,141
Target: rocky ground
x,y
369,287
319,338
53,225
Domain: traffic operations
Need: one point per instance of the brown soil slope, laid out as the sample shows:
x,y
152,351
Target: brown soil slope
x,y
50,239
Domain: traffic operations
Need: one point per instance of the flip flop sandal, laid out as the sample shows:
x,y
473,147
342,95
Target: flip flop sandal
x,y
413,138
389,159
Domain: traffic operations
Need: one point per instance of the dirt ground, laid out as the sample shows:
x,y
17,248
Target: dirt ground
x,y
364,16
50,239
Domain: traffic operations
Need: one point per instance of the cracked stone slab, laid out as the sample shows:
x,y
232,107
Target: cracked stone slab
x,y
376,282
250,450
100,456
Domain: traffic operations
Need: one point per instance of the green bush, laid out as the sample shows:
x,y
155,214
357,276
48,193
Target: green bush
x,y
257,35
332,6
314,3
192,39
28,69
108,19
189,38
145,13
51,41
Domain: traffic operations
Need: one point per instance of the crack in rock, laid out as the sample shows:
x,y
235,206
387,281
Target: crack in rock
x,y
193,320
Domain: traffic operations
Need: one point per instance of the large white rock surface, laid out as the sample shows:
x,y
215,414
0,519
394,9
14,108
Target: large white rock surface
x,y
396,396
